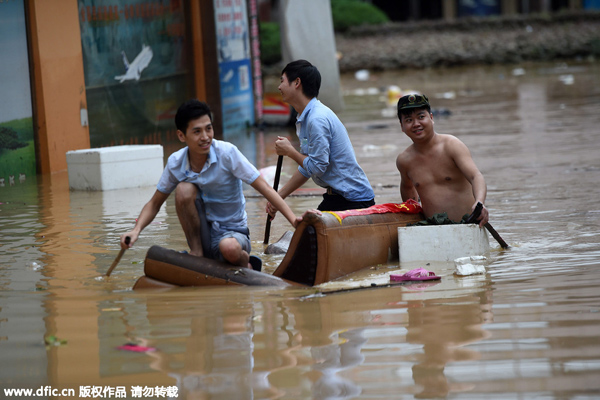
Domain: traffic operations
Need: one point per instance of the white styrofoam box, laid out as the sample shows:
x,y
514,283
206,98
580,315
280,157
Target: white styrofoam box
x,y
116,167
441,242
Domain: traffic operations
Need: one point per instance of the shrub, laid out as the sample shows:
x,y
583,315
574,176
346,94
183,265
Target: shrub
x,y
9,139
349,13
270,42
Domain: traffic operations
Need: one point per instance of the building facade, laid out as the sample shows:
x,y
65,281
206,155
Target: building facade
x,y
92,73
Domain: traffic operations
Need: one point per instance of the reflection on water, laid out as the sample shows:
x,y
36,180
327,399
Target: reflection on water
x,y
529,328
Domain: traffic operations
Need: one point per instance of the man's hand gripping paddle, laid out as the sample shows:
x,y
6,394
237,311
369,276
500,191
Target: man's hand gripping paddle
x,y
473,219
114,264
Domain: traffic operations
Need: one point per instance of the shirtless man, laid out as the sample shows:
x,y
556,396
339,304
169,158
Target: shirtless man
x,y
437,169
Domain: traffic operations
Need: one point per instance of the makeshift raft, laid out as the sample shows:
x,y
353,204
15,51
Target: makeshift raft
x,y
323,248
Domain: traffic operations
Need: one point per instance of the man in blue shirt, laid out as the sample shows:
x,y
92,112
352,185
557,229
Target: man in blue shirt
x,y
207,176
326,154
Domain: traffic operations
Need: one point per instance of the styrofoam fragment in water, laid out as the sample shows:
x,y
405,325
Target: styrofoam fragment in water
x,y
465,260
469,269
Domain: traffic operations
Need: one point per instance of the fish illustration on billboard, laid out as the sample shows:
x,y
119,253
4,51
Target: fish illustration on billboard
x,y
139,63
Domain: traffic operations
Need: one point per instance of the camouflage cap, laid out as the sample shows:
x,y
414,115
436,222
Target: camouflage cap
x,y
413,101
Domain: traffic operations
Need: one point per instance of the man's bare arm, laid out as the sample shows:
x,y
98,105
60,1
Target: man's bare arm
x,y
294,183
147,215
464,161
275,199
407,189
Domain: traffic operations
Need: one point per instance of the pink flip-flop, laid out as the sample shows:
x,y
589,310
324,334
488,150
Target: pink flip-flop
x,y
136,348
419,274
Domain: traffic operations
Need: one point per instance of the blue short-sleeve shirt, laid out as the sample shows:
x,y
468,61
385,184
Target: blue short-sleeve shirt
x,y
219,182
331,160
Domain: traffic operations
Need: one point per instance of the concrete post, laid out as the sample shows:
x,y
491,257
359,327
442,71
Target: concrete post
x,y
415,11
449,9
307,33
546,6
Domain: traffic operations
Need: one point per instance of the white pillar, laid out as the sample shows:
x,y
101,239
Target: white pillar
x,y
307,33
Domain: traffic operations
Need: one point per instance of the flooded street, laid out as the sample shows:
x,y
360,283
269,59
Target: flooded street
x,y
529,328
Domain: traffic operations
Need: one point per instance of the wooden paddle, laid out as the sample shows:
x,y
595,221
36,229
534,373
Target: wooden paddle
x,y
275,186
496,236
473,219
114,264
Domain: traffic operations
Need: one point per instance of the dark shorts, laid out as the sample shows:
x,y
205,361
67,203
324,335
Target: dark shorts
x,y
335,202
243,238
211,236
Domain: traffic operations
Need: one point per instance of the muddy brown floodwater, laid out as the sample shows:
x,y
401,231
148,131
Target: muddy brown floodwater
x,y
528,328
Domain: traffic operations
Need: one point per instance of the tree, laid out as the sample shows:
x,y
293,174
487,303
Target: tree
x,y
9,139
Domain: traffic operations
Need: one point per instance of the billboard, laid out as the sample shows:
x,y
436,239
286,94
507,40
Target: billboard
x,y
235,72
136,68
17,148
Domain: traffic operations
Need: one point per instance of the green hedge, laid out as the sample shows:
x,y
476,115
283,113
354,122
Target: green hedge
x,y
270,42
349,13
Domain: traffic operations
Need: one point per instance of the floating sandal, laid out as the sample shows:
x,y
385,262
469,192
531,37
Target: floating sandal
x,y
419,274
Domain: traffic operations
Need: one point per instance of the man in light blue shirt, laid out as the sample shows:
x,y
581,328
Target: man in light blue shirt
x,y
207,177
326,154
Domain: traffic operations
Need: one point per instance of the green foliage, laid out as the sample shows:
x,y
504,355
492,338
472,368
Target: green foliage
x,y
270,42
24,127
346,14
9,139
349,13
19,161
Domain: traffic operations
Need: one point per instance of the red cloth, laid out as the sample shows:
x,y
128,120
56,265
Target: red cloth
x,y
410,207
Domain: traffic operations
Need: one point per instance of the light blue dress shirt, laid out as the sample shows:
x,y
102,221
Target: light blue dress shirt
x,y
219,182
331,161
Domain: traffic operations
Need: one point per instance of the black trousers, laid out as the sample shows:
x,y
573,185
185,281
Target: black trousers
x,y
335,202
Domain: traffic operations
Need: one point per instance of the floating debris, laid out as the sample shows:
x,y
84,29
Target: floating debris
x,y
567,79
371,127
362,75
136,348
53,341
451,95
35,266
518,72
466,267
379,148
388,113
